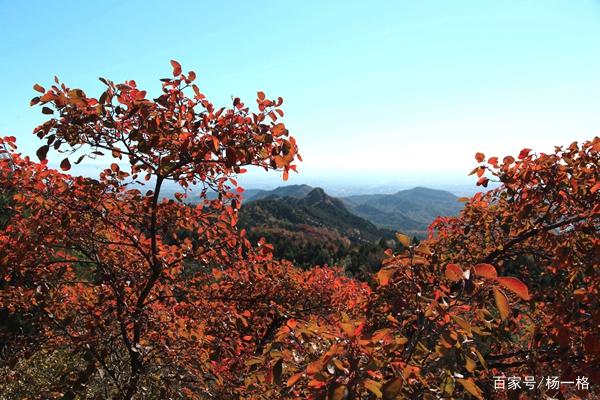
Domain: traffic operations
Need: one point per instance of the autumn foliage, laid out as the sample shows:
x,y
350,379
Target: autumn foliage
x,y
148,297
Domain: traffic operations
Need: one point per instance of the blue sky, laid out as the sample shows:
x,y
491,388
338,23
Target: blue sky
x,y
377,93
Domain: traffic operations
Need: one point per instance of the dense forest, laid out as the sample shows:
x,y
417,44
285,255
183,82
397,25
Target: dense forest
x,y
112,291
316,229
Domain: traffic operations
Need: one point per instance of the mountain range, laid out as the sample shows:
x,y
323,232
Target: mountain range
x,y
309,227
408,211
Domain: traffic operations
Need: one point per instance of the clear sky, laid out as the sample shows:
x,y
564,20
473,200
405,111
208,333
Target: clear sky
x,y
377,92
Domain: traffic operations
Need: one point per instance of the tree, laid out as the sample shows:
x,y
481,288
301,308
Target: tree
x,y
510,286
97,265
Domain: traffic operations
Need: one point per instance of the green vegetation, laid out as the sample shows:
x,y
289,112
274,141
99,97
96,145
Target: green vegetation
x,y
316,229
409,211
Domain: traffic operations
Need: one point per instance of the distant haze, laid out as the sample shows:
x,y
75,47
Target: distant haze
x,y
380,95
336,183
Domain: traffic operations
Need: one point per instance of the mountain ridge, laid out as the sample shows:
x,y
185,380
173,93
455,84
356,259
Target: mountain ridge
x,y
314,229
410,211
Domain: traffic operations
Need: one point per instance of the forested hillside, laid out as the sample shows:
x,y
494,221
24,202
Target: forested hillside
x,y
409,211
314,228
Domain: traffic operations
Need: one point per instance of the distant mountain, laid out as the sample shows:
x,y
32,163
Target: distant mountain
x,y
296,191
409,211
313,228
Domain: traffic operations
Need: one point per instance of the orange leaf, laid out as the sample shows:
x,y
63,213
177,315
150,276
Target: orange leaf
x,y
501,303
348,329
471,387
314,367
485,270
279,161
294,378
514,285
392,388
454,272
38,88
403,239
291,323
462,323
374,387
278,129
470,364
384,275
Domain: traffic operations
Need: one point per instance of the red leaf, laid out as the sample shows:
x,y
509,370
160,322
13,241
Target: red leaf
x,y
261,95
38,88
514,285
42,152
65,165
485,270
483,181
480,157
176,68
454,272
524,153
